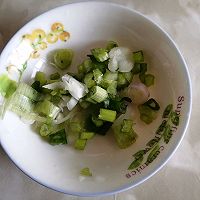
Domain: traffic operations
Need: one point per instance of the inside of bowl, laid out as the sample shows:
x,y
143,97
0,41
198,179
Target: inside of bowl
x,y
58,167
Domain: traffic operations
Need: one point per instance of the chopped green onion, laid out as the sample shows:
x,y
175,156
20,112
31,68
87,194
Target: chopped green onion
x,y
126,125
80,144
143,68
107,115
7,86
28,91
112,88
75,127
126,138
147,114
98,94
139,68
153,104
55,76
88,80
110,76
63,58
136,68
85,172
41,77
100,54
47,108
149,80
88,65
87,135
58,138
128,76
97,75
138,56
121,81
84,104
111,45
20,103
97,121
36,85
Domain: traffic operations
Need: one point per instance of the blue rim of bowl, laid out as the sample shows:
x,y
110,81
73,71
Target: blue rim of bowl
x,y
155,170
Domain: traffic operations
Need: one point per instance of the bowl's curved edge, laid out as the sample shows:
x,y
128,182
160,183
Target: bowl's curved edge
x,y
128,186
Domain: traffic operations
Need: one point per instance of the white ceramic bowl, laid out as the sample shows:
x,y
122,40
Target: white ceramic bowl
x,y
91,24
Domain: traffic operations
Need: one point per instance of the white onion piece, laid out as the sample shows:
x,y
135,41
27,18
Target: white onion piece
x,y
138,92
75,88
120,59
71,103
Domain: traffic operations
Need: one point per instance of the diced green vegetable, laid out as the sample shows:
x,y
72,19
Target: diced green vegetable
x,y
143,68
126,138
85,172
87,135
107,115
111,45
97,75
80,144
136,68
55,76
84,104
110,76
98,94
139,68
20,103
128,76
63,58
118,104
7,86
153,104
112,88
88,80
100,54
28,91
138,56
41,77
102,66
147,114
149,80
97,121
101,130
126,125
88,65
47,109
36,85
75,127
122,81
58,138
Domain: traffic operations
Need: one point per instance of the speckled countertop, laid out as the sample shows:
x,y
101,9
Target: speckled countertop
x,y
180,178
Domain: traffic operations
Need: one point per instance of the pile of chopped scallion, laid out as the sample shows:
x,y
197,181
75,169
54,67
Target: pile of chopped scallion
x,y
91,101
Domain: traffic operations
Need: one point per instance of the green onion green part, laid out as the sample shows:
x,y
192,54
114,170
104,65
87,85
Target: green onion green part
x,y
87,135
80,144
100,54
107,115
85,172
98,94
138,56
